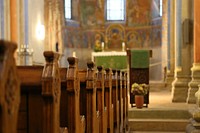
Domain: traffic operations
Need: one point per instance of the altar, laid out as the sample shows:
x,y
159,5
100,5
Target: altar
x,y
111,59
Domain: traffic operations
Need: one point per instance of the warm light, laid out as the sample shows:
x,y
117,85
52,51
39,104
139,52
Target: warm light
x,y
74,54
40,32
102,46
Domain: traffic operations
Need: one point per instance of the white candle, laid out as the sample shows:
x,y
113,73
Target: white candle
x,y
74,54
123,46
102,46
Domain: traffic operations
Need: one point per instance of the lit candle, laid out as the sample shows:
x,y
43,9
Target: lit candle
x,y
74,54
123,46
102,46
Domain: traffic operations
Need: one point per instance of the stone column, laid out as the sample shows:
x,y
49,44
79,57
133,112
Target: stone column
x,y
2,19
193,85
164,38
182,54
171,52
13,21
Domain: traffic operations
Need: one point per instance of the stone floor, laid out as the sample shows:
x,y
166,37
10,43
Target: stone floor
x,y
160,98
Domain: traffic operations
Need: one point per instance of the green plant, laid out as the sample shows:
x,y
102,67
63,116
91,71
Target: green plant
x,y
139,89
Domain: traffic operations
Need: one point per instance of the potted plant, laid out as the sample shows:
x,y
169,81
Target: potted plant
x,y
139,90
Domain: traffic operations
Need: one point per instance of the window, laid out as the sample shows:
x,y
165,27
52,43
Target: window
x,y
115,10
68,14
160,7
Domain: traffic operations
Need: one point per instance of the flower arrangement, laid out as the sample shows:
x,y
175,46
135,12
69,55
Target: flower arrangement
x,y
139,89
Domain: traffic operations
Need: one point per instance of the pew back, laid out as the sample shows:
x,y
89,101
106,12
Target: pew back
x,y
9,88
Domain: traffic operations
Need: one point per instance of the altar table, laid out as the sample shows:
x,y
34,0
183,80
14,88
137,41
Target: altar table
x,y
112,59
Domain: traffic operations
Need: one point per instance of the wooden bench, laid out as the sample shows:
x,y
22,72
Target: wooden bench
x,y
108,100
115,100
100,100
89,98
82,92
76,123
9,88
40,97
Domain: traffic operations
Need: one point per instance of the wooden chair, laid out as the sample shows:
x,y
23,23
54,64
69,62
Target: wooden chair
x,y
9,88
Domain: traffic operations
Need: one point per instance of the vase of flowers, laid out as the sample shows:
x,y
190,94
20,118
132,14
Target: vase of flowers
x,y
139,90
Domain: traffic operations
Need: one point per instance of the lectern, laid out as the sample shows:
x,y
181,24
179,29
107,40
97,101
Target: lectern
x,y
138,60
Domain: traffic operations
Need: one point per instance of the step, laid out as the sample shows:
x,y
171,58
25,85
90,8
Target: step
x,y
152,132
155,125
159,114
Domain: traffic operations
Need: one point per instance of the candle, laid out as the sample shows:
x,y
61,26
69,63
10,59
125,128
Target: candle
x,y
102,46
74,54
123,46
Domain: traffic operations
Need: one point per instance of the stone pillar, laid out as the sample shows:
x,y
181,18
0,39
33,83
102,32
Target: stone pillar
x,y
13,21
2,19
171,52
182,54
193,85
164,38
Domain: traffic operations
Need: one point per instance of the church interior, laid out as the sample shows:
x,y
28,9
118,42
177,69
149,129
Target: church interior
x,y
76,62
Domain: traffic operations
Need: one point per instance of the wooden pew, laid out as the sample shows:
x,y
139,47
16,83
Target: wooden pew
x,y
76,123
125,101
51,91
115,100
120,99
40,97
92,115
100,100
108,100
9,88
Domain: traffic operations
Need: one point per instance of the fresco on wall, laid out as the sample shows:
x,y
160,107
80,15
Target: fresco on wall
x,y
139,12
143,38
115,34
139,38
92,13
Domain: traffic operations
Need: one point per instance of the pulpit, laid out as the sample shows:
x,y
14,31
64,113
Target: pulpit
x,y
110,59
138,60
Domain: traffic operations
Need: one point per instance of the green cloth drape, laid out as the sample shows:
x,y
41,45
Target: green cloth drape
x,y
139,58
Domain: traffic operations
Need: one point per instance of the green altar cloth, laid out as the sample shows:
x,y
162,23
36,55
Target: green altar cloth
x,y
139,58
112,61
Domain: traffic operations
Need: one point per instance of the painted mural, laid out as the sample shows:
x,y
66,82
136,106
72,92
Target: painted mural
x,y
139,12
140,31
92,13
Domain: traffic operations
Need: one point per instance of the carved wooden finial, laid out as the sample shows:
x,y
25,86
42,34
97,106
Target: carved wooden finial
x,y
6,46
99,68
114,71
108,70
71,60
90,64
51,56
